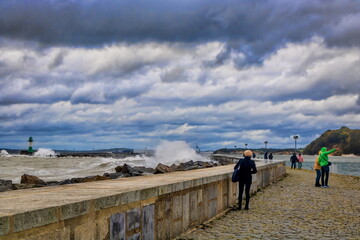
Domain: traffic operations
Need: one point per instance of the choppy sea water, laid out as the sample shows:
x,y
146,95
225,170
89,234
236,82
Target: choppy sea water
x,y
12,167
347,165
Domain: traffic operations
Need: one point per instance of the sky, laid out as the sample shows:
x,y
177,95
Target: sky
x,y
92,74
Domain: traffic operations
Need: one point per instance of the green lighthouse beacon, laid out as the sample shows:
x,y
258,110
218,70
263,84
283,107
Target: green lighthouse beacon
x,y
30,150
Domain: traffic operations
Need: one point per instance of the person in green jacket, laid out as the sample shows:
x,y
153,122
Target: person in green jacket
x,y
324,163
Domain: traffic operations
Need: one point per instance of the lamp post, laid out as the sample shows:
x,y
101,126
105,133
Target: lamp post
x,y
266,142
295,138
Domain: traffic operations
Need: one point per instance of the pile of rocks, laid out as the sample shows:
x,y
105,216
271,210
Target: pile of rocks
x,y
29,181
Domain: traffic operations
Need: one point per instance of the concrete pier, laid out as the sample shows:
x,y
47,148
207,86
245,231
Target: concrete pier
x,y
292,209
147,207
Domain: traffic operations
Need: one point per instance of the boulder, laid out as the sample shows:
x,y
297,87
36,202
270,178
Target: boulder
x,y
187,166
52,183
5,185
95,178
18,186
118,169
145,170
114,175
29,179
204,164
174,167
76,180
161,168
128,169
66,181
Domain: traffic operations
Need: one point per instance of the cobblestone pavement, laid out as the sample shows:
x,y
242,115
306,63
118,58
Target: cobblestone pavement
x,y
293,209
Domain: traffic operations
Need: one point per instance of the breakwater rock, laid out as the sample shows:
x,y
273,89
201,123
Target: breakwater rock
x,y
30,181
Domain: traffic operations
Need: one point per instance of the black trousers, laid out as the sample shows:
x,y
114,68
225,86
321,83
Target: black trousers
x,y
247,185
325,175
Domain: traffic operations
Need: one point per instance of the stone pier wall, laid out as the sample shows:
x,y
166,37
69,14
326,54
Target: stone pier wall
x,y
150,207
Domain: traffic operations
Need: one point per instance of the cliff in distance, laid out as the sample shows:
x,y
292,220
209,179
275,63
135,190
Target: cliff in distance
x,y
348,140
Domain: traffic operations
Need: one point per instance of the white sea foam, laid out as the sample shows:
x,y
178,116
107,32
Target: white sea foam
x,y
44,152
175,152
4,153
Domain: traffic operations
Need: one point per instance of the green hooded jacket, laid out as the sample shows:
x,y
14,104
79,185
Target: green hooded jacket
x,y
323,156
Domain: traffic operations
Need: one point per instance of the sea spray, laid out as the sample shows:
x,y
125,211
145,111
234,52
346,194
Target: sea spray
x,y
44,152
4,153
175,152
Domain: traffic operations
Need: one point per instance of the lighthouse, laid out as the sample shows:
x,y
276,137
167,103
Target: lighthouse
x,y
30,149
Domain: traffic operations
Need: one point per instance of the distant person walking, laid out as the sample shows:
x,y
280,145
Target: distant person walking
x,y
324,163
271,156
293,160
266,155
300,160
247,167
317,168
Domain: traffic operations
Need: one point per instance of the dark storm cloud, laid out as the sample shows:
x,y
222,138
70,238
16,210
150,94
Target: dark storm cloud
x,y
256,28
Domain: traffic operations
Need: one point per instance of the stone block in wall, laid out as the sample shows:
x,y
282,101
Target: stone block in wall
x,y
129,197
163,218
85,231
177,215
177,228
176,208
117,226
212,192
4,225
103,231
148,222
186,211
133,219
148,193
74,209
135,236
41,217
212,208
193,200
108,201
58,234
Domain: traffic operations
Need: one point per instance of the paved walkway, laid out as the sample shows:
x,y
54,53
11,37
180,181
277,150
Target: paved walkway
x,y
293,209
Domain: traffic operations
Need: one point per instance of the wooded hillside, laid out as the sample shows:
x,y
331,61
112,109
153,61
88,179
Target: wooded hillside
x,y
348,140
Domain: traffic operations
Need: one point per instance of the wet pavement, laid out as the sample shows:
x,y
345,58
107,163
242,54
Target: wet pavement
x,y
292,208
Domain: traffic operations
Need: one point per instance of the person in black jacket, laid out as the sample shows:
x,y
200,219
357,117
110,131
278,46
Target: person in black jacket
x,y
293,160
247,167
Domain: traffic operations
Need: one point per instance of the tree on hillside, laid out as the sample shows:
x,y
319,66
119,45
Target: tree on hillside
x,y
348,140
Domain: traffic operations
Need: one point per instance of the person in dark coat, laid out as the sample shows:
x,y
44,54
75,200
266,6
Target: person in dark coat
x,y
293,160
247,167
266,155
271,156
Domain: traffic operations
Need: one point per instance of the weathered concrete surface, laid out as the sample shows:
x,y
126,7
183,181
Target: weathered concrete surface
x,y
162,206
293,209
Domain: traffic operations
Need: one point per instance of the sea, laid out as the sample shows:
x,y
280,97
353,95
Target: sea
x,y
347,165
46,166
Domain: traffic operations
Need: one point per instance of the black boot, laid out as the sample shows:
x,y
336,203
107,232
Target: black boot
x,y
239,206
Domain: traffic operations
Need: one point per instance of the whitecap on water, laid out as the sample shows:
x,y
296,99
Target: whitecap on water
x,y
44,152
4,153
